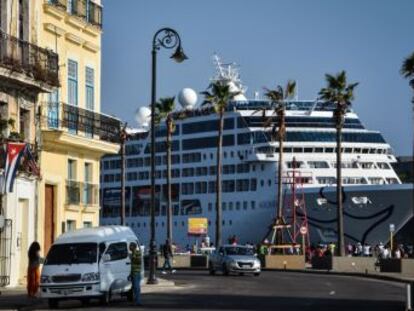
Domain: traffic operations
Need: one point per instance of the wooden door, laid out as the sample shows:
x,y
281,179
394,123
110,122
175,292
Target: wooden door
x,y
49,218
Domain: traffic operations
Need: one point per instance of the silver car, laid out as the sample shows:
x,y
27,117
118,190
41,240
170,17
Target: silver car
x,y
234,259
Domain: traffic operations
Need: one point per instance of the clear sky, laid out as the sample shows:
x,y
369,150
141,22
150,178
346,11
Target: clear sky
x,y
272,41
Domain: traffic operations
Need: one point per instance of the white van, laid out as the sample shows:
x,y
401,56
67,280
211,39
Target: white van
x,y
89,263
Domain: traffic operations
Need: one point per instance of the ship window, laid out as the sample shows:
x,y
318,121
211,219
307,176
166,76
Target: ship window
x,y
230,206
211,187
329,150
225,154
243,168
229,169
326,180
237,205
261,183
262,167
287,150
365,150
376,180
352,164
191,157
201,187
298,150
206,126
230,222
206,142
367,165
188,172
348,150
190,207
210,207
392,180
318,164
244,205
253,168
242,185
308,150
224,206
175,224
231,154
253,204
187,188
228,186
211,156
269,182
354,180
383,165
253,184
213,170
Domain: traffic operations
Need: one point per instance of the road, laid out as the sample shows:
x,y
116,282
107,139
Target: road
x,y
271,291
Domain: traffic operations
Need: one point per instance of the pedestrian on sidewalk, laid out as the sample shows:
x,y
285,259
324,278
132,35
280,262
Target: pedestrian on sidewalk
x,y
136,263
168,255
33,270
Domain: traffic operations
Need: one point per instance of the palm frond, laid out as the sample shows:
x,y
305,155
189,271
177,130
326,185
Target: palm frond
x,y
407,68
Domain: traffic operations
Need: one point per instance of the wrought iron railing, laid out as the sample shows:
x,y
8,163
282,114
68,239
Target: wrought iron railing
x,y
81,121
36,62
78,193
87,10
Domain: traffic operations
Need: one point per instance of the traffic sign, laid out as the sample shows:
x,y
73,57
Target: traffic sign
x,y
303,230
392,227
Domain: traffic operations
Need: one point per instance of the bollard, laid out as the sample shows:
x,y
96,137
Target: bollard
x,y
409,297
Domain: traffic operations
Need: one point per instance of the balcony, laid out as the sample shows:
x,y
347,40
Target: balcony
x,y
86,10
58,116
28,63
78,193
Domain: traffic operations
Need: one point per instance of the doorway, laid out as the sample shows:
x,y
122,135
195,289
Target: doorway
x,y
23,240
49,217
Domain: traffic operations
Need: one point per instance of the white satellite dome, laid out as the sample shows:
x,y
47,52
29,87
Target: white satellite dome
x,y
143,116
187,98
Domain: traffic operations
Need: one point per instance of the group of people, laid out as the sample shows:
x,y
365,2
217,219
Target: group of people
x,y
380,250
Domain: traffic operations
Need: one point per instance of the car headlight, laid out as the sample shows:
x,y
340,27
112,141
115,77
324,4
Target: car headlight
x,y
92,276
257,263
232,263
45,279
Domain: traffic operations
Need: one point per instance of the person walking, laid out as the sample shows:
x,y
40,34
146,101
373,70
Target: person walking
x,y
33,270
168,254
136,263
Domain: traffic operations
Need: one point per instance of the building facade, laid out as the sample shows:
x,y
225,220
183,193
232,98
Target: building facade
x,y
26,71
74,132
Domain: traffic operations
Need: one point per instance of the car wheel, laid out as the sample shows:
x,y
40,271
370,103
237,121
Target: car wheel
x,y
225,270
106,298
130,295
241,273
85,301
211,269
257,274
53,303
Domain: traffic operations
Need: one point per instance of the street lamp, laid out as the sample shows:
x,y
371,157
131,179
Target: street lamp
x,y
164,38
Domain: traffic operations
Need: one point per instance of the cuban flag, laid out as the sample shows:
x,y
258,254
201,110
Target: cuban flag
x,y
14,153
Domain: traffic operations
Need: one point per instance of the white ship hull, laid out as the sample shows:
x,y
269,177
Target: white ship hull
x,y
367,222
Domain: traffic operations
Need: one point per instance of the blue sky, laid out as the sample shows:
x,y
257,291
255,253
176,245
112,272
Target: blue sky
x,y
272,41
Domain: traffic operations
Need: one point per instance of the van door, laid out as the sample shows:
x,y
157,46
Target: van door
x,y
115,267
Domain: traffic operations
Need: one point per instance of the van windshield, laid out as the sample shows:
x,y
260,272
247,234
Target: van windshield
x,y
73,253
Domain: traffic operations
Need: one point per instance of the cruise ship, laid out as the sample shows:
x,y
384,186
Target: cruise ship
x,y
374,197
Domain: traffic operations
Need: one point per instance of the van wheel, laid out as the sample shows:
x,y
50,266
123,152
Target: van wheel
x,y
53,303
85,301
106,298
225,270
130,295
211,268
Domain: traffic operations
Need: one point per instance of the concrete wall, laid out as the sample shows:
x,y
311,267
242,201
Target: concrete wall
x,y
294,262
354,264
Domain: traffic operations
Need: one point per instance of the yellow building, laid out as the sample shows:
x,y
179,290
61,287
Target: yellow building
x,y
74,133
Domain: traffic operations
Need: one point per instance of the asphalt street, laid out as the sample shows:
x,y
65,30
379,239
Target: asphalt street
x,y
272,290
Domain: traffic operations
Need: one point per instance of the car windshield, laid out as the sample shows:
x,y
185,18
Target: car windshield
x,y
237,250
73,253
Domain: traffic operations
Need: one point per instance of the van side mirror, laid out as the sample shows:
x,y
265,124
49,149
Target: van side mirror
x,y
106,258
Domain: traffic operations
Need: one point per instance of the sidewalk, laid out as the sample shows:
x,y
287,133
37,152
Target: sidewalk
x,y
15,298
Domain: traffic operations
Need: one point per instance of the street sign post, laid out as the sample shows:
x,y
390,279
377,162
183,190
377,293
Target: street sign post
x,y
392,230
303,231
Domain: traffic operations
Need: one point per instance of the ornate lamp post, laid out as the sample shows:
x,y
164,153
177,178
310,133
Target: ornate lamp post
x,y
164,38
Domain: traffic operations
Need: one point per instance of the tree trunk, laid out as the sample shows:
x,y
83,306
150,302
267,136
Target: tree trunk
x,y
218,180
339,124
169,205
280,166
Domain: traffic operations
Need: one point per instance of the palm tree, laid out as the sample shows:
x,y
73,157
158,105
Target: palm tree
x,y
219,95
339,93
164,108
407,70
278,98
